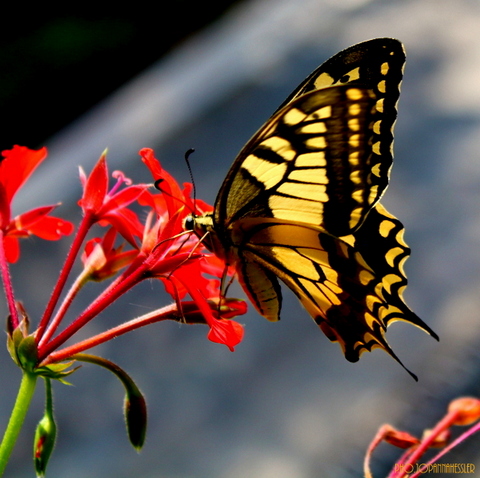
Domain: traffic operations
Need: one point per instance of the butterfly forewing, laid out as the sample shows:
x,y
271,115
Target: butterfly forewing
x,y
314,162
376,65
317,129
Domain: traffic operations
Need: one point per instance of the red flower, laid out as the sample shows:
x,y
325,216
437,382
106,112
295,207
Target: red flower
x,y
110,207
102,259
177,254
182,268
465,409
195,272
15,168
165,237
173,198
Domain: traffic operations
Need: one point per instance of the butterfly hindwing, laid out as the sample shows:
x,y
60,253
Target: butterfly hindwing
x,y
380,242
352,301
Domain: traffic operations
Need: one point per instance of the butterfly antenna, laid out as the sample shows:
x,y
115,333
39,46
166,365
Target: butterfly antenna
x,y
189,166
158,187
224,285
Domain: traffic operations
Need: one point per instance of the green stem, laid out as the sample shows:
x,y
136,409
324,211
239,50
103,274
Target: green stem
x,y
24,397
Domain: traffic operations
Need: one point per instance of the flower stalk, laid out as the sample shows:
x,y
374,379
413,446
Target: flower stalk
x,y
7,284
43,333
17,417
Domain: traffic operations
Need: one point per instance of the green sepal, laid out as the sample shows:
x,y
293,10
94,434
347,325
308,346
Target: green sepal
x,y
12,344
14,339
27,353
24,352
56,371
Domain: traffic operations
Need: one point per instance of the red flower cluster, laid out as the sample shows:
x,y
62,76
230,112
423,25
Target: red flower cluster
x,y
157,247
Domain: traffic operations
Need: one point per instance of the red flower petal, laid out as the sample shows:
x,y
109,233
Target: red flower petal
x,y
123,198
226,332
193,273
126,222
172,196
51,228
17,166
12,249
95,187
222,331
37,222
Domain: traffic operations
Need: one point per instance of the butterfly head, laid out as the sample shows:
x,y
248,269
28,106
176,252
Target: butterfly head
x,y
203,227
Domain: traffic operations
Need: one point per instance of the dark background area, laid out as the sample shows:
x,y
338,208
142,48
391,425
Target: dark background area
x,y
55,65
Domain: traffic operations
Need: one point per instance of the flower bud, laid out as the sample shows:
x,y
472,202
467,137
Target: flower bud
x,y
398,438
467,410
45,436
135,409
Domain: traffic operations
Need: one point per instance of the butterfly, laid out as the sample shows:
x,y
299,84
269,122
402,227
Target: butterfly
x,y
301,203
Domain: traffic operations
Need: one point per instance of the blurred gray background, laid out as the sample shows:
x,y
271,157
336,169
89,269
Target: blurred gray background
x,y
285,404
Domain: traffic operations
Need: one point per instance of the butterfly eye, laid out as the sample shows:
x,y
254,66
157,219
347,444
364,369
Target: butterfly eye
x,y
189,224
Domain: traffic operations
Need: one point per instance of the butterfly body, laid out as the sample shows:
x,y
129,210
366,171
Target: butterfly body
x,y
301,202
